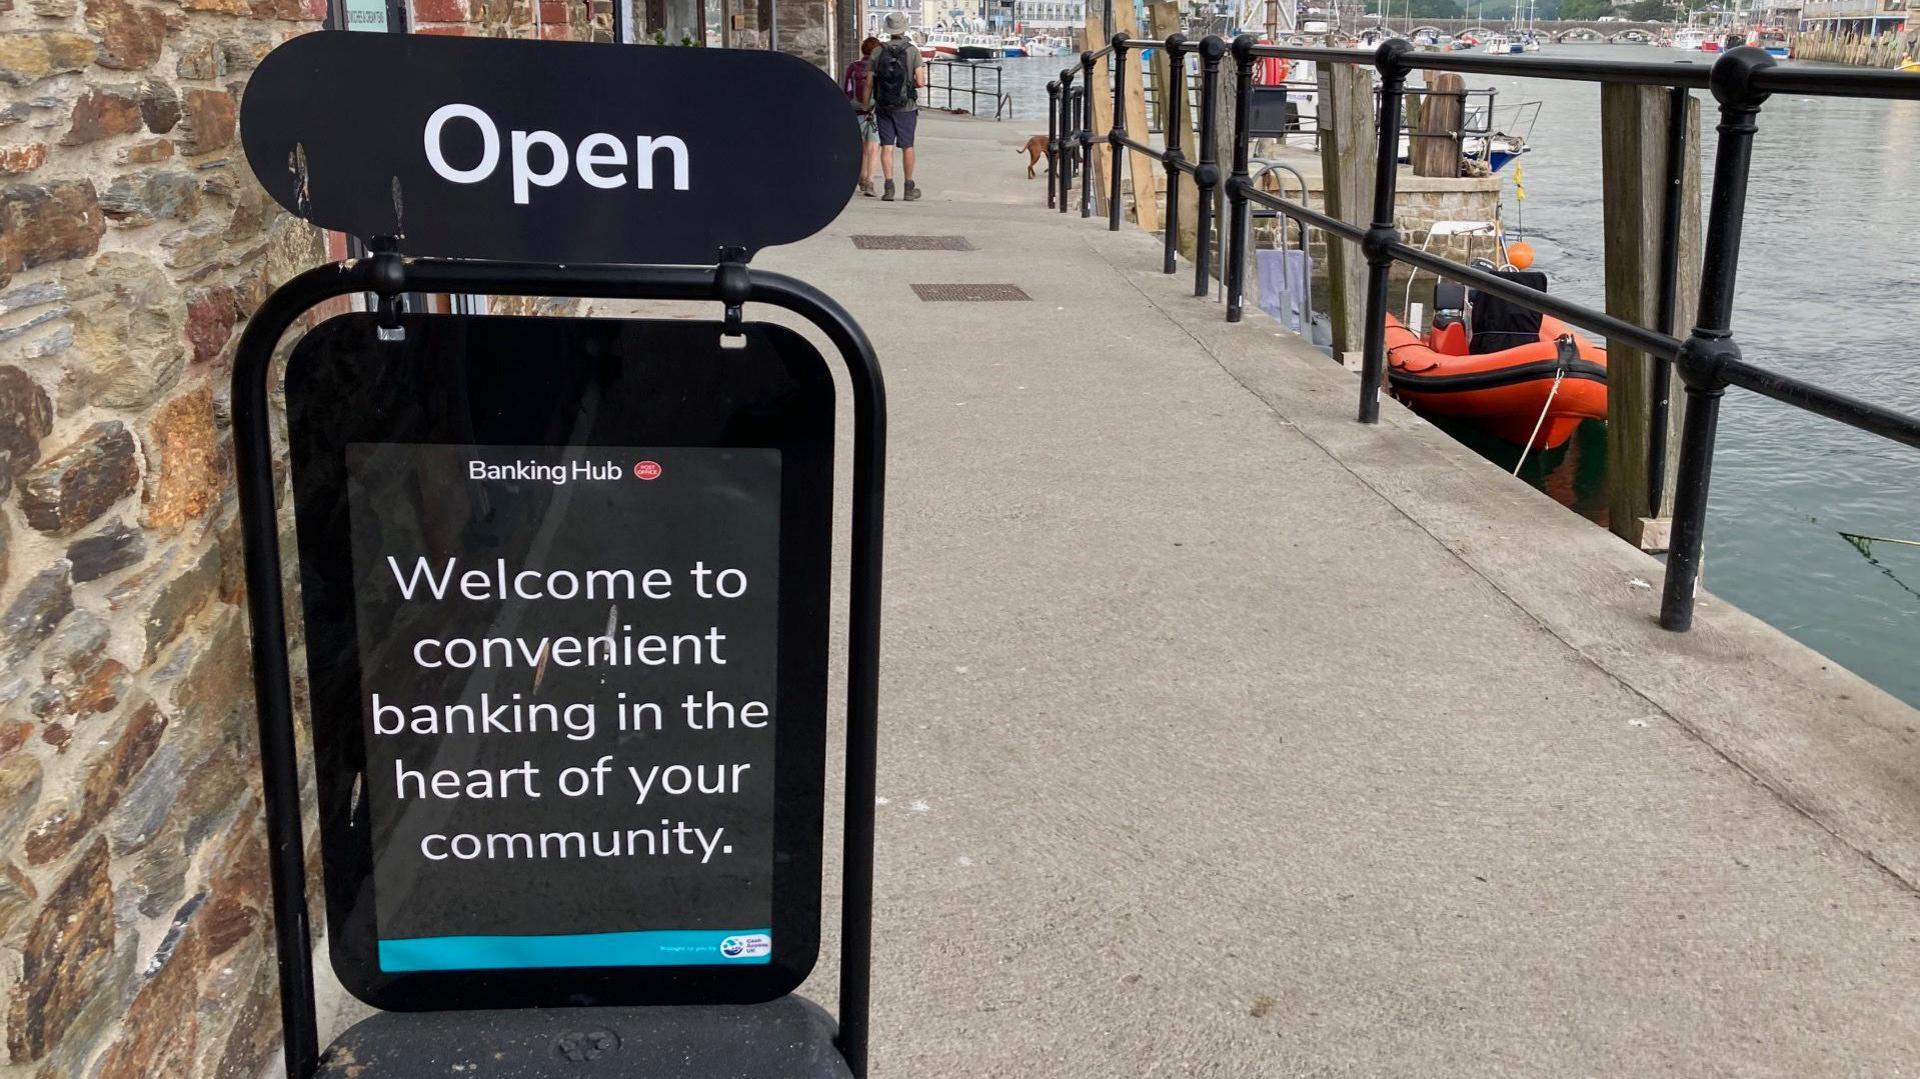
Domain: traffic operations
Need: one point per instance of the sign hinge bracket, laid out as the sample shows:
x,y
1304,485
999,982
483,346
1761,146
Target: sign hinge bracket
x,y
389,282
730,280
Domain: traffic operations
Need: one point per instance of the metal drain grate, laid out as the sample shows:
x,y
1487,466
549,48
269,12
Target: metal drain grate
x,y
912,243
969,293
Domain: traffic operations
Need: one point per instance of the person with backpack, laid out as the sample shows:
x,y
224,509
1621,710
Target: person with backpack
x,y
858,87
894,77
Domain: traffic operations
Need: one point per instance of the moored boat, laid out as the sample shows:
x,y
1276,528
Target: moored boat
x,y
1522,376
1047,45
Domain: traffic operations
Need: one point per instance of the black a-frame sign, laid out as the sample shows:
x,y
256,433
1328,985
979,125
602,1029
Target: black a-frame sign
x,y
564,582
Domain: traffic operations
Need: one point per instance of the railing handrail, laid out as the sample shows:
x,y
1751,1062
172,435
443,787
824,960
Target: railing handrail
x,y
1001,101
1707,359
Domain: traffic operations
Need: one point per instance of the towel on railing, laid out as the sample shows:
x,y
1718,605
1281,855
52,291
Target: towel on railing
x,y
1284,279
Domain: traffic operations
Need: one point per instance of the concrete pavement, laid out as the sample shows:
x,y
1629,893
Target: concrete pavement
x,y
1225,737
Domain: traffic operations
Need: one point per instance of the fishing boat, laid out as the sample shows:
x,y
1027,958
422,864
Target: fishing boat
x,y
1522,376
1497,134
1773,39
1012,47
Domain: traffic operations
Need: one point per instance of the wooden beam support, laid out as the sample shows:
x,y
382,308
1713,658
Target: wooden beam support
x,y
1141,168
1634,135
1099,108
1347,150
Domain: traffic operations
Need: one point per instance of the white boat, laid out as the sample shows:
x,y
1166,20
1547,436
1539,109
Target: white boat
x,y
1497,44
1531,44
1046,45
1690,38
942,44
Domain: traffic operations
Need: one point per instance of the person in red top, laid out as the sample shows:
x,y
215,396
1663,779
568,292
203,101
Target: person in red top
x,y
854,84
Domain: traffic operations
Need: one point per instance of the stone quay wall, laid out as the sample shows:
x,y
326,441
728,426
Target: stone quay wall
x,y
134,244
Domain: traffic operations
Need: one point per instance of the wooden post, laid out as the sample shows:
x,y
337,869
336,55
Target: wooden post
x,y
1436,139
1347,150
1633,156
1223,153
1142,170
1099,107
1170,75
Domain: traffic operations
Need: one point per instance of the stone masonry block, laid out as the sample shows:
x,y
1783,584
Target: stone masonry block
x,y
68,947
27,57
42,223
76,486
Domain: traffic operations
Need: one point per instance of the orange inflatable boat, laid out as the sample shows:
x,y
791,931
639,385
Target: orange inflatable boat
x,y
1500,372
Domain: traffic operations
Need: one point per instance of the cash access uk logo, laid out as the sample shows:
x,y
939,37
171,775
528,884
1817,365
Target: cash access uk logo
x,y
747,946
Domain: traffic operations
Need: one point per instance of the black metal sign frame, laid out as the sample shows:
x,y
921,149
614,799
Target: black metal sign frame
x,y
666,378
387,275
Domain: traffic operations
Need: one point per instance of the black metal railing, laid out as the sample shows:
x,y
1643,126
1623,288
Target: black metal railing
x,y
1707,359
941,77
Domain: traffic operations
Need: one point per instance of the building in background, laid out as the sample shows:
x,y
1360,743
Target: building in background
x,y
1865,18
1051,16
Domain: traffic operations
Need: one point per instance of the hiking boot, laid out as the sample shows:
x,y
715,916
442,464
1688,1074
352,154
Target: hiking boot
x,y
886,195
913,192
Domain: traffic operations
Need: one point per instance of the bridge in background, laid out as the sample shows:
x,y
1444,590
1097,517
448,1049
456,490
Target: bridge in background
x,y
1558,30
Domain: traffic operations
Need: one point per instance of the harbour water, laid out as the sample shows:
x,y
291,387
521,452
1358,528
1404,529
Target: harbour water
x,y
1828,279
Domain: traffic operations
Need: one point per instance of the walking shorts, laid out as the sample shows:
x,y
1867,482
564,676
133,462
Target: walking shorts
x,y
896,128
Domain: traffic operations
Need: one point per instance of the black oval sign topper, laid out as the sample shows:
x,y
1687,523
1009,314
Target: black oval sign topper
x,y
550,151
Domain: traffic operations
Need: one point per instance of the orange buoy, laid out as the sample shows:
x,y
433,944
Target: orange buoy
x,y
1520,254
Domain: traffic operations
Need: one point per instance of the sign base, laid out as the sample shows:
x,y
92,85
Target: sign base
x,y
790,1037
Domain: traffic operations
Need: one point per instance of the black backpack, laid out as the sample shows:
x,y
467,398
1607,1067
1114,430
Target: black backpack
x,y
890,89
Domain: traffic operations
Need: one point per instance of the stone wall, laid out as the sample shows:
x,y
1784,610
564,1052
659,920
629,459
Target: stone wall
x,y
802,28
133,245
133,242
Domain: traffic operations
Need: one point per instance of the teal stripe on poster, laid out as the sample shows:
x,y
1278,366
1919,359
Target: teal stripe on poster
x,y
642,948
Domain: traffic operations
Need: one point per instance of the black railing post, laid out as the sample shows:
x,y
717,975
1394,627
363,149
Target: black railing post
x,y
1066,138
1238,183
1679,101
1053,139
1117,65
1087,90
1206,175
1172,126
1381,234
1711,346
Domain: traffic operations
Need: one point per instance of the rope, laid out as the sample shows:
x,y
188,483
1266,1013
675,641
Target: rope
x,y
1558,374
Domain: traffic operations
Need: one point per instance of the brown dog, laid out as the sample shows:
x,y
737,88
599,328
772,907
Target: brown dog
x,y
1036,148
